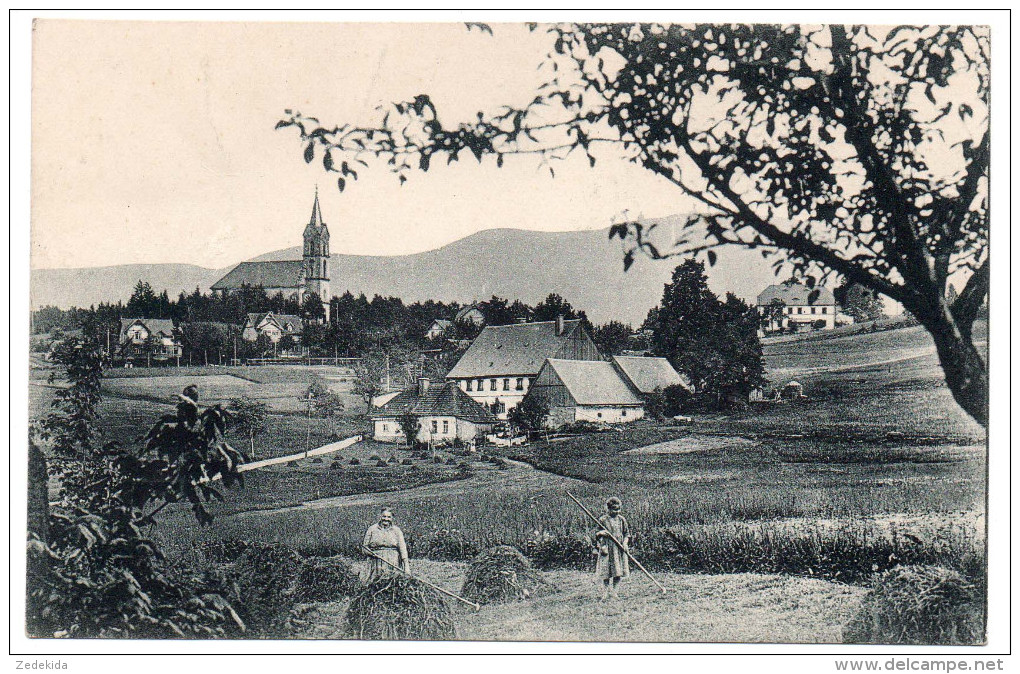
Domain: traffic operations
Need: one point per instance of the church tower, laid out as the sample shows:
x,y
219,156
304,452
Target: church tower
x,y
316,256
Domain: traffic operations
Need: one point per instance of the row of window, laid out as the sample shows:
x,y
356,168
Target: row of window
x,y
494,384
800,310
435,427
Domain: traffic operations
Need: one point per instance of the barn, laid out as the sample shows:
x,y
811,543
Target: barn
x,y
586,390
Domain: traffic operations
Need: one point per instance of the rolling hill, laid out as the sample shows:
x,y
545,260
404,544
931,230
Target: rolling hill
x,y
582,266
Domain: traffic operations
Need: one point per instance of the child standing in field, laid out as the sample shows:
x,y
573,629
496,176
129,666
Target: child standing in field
x,y
613,563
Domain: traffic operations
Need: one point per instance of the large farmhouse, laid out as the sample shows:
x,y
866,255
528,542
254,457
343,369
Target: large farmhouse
x,y
498,368
801,307
648,374
294,279
444,413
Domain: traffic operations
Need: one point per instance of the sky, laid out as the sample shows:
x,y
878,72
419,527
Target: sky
x,y
154,142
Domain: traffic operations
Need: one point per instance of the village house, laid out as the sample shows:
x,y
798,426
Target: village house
x,y
444,414
438,329
586,390
148,340
294,279
801,307
498,368
273,326
470,314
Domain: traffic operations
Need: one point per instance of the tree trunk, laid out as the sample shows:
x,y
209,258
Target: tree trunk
x,y
964,367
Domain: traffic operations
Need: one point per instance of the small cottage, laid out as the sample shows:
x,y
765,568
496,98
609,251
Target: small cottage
x,y
438,329
586,390
273,326
144,340
444,414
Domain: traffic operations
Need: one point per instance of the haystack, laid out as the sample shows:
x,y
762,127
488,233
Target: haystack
x,y
503,574
398,607
264,575
919,605
325,579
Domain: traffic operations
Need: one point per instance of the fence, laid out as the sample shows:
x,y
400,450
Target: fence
x,y
307,360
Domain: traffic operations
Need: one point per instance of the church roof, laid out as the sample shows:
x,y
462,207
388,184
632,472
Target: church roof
x,y
277,274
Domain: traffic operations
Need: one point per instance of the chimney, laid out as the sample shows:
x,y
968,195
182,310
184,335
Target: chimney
x,y
423,385
559,324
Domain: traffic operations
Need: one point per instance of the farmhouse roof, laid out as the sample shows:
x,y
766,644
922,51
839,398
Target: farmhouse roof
x,y
519,348
277,274
593,382
155,326
438,400
796,295
648,374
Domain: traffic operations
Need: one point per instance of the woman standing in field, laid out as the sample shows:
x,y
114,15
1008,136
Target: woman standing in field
x,y
384,544
613,563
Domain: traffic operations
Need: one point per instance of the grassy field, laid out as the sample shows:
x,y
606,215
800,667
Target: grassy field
x,y
748,608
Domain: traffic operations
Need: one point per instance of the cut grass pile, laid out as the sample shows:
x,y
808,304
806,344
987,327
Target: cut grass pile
x,y
920,605
398,607
502,574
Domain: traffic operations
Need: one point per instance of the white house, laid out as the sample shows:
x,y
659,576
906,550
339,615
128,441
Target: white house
x,y
800,307
148,339
273,326
498,368
470,314
439,328
444,413
580,390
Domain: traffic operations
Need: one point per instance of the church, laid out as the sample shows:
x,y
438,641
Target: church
x,y
293,278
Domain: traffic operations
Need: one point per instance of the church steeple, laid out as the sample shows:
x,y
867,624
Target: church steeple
x,y
316,254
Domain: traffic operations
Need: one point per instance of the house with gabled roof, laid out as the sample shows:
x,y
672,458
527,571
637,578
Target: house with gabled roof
x,y
498,368
798,307
579,390
439,328
444,413
143,340
273,326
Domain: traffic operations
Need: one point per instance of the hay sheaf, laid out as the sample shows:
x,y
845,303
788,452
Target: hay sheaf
x,y
919,605
398,607
325,579
502,574
264,576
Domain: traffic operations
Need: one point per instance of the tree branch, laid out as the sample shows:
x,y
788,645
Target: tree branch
x,y
966,306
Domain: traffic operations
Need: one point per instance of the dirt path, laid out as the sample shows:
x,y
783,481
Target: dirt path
x,y
519,476
697,608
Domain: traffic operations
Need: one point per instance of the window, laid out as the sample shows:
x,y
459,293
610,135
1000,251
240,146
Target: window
x,y
468,384
623,413
446,426
481,385
824,310
506,384
600,415
385,428
520,383
501,408
435,426
812,310
492,384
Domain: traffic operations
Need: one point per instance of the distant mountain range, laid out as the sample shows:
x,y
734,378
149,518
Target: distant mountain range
x,y
584,267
